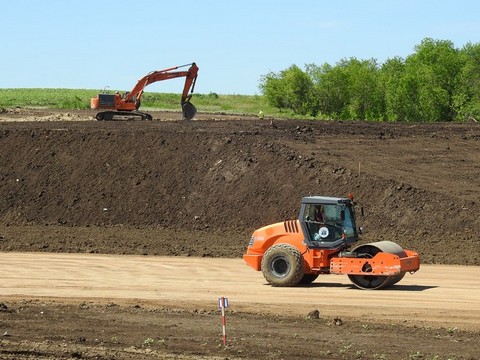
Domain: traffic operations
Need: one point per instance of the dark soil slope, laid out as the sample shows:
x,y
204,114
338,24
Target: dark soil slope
x,y
200,188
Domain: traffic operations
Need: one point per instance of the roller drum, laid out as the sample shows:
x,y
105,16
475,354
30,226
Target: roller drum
x,y
375,282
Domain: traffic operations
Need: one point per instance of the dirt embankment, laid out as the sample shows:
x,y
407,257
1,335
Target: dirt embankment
x,y
200,188
72,184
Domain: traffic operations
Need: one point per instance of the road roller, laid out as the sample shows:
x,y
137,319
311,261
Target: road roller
x,y
321,241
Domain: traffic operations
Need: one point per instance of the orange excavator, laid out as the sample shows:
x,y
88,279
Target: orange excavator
x,y
127,105
297,251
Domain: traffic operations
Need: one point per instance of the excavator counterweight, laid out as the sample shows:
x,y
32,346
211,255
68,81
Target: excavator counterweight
x,y
127,105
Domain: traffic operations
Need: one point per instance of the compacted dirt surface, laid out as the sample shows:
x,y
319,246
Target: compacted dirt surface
x,y
117,238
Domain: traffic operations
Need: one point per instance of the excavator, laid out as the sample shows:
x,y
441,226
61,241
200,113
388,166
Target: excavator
x,y
296,252
127,105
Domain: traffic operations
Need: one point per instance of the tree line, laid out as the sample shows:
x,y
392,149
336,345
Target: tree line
x,y
438,82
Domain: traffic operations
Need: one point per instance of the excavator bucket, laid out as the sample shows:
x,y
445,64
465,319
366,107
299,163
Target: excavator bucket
x,y
189,110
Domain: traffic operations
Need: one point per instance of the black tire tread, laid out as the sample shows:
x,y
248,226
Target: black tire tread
x,y
297,268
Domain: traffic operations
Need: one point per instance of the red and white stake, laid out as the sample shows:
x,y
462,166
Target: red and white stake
x,y
222,304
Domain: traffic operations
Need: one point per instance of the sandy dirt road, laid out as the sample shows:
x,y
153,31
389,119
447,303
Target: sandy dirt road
x,y
438,295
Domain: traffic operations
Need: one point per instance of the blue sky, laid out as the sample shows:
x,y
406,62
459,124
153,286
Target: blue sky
x,y
93,44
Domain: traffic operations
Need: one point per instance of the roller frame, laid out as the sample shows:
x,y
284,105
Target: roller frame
x,y
377,266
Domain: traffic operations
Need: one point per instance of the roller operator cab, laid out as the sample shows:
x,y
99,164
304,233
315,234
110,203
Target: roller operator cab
x,y
297,251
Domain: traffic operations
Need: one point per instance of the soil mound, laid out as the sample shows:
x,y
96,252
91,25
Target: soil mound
x,y
201,187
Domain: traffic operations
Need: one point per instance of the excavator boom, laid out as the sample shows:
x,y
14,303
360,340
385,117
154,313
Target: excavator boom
x,y
130,102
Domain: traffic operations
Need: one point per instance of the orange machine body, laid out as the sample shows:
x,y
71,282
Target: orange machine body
x,y
325,261
130,101
330,255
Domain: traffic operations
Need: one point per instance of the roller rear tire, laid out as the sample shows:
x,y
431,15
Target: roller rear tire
x,y
282,266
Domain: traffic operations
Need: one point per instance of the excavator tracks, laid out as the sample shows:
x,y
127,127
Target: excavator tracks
x,y
123,115
188,110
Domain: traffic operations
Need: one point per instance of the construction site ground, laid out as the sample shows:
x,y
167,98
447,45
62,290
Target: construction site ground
x,y
117,238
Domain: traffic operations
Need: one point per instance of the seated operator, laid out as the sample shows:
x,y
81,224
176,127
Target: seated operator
x,y
319,214
317,222
329,228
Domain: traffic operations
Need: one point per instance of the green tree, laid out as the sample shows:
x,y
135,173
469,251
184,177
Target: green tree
x,y
390,84
366,99
436,83
272,87
349,90
298,89
467,96
330,95
431,79
291,88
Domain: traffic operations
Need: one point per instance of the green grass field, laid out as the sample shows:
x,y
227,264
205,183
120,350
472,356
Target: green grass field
x,y
80,99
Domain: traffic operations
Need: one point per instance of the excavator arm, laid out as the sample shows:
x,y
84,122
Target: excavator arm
x,y
131,101
190,77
